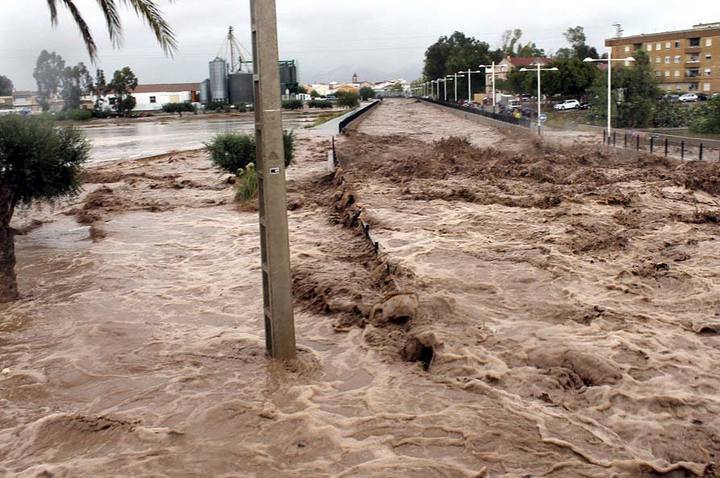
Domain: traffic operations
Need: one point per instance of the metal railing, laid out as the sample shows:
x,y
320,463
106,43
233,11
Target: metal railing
x,y
356,115
665,145
505,118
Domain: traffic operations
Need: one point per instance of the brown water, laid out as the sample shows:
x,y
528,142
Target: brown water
x,y
141,353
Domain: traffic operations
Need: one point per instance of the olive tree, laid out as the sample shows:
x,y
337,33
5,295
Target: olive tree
x,y
38,161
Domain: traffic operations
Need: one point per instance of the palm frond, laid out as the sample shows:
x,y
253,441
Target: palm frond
x,y
52,6
84,29
147,10
112,19
152,15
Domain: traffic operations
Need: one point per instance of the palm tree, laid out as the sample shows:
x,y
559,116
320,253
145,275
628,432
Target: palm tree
x,y
145,9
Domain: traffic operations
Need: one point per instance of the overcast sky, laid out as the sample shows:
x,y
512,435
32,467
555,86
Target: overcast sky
x,y
380,39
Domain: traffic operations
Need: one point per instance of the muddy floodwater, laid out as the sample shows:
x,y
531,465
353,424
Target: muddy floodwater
x,y
468,303
140,139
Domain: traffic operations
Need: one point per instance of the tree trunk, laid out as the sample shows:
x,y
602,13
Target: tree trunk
x,y
8,281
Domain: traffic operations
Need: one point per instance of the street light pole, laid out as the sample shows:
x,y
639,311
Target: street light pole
x,y
494,95
274,242
609,61
539,92
469,76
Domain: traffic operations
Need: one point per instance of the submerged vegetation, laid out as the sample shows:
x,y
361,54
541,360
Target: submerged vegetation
x,y
233,152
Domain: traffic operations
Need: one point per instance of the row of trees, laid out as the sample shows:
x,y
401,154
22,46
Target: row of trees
x,y
459,52
71,83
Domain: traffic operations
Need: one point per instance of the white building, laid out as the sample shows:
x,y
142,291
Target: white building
x,y
153,97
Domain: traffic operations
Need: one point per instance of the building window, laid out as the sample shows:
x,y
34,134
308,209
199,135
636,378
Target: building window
x,y
658,46
677,73
667,60
708,56
708,42
677,59
708,72
648,47
706,87
678,88
667,45
694,42
153,99
657,73
677,44
667,75
627,49
657,59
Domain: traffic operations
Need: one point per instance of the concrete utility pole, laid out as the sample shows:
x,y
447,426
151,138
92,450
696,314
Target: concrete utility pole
x,y
274,243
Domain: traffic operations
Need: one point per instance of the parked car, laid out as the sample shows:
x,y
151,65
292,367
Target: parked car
x,y
689,98
568,105
670,98
702,97
585,106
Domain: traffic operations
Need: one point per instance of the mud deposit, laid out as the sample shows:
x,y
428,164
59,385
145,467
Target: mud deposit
x,y
517,312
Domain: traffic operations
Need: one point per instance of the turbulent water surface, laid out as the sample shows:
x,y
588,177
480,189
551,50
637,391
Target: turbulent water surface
x,y
561,316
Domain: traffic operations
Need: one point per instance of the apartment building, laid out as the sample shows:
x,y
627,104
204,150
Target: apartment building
x,y
684,61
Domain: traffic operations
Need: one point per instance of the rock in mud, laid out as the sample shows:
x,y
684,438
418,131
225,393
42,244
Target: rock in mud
x,y
397,309
295,203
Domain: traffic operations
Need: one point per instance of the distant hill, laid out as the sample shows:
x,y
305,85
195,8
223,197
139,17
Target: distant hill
x,y
344,73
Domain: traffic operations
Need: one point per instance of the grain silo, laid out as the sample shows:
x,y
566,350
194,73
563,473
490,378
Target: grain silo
x,y
218,80
205,92
240,87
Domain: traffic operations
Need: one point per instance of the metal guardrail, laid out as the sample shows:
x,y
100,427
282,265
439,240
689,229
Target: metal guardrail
x,y
524,122
665,145
356,115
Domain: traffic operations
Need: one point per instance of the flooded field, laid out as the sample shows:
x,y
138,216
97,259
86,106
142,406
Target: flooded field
x,y
140,139
532,311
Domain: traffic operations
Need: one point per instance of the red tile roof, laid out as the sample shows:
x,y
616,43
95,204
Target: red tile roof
x,y
167,88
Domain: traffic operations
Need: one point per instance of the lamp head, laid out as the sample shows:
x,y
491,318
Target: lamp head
x,y
588,60
524,69
630,59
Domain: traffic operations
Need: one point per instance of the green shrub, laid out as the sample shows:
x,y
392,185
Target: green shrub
x,y
292,104
178,108
670,115
349,99
241,107
233,152
366,93
247,184
323,104
707,118
218,107
79,115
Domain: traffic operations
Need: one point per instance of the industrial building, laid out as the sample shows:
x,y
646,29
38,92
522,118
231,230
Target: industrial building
x,y
236,87
684,61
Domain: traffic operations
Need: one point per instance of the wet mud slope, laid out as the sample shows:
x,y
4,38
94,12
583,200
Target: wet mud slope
x,y
572,292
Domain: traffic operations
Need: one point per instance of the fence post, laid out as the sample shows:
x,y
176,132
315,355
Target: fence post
x,y
614,139
626,141
682,150
666,147
637,142
652,144
605,138
701,151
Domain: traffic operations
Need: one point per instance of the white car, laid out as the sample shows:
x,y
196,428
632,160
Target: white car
x,y
689,98
568,105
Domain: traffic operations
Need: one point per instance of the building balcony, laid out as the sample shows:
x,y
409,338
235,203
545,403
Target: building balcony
x,y
692,62
692,49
